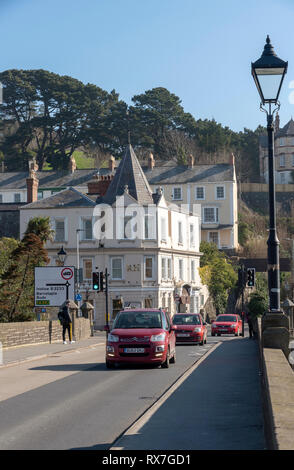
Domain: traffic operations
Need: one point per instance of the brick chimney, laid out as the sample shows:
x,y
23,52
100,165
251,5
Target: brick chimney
x,y
32,187
151,161
72,166
111,163
190,161
99,184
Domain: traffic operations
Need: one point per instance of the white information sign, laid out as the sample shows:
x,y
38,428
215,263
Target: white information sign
x,y
54,285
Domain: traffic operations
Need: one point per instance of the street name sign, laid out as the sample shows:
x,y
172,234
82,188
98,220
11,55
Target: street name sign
x,y
54,285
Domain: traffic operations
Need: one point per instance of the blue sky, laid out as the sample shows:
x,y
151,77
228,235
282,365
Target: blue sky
x,y
199,50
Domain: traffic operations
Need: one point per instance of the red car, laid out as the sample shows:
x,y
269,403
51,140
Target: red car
x,y
141,336
227,324
190,328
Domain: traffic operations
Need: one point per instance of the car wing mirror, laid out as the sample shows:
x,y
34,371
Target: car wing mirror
x,y
106,328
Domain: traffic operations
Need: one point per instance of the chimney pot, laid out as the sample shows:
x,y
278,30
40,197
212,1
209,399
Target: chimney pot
x,y
190,161
111,163
151,161
72,164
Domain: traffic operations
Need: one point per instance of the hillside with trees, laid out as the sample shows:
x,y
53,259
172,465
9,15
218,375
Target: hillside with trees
x,y
49,117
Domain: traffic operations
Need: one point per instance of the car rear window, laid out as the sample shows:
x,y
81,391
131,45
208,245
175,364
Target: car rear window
x,y
226,318
132,319
186,320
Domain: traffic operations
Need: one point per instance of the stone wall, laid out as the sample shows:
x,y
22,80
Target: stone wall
x,y
278,397
24,333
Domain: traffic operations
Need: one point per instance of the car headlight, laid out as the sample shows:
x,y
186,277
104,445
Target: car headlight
x,y
197,330
233,325
155,338
113,338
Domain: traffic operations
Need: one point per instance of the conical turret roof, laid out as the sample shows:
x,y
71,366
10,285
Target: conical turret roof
x,y
130,178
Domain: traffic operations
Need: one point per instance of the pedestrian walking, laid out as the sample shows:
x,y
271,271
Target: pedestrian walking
x,y
250,326
66,322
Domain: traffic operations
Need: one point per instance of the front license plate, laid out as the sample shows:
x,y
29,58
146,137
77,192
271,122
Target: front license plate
x,y
182,335
224,329
134,350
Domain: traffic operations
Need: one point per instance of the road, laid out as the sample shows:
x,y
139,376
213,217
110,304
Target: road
x,y
71,401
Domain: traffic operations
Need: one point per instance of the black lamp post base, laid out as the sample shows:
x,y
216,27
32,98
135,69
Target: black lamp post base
x,y
275,331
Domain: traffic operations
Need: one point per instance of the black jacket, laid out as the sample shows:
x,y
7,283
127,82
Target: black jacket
x,y
65,316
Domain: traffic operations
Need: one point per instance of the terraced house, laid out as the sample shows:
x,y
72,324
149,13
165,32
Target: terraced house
x,y
214,187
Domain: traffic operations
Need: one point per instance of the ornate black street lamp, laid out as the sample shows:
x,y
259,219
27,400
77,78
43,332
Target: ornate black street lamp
x,y
62,256
268,73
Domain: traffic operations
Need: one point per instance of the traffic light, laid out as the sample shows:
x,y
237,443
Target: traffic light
x,y
241,278
96,281
250,277
102,281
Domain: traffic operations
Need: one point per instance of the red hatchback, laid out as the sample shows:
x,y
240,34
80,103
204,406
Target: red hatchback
x,y
190,328
227,324
141,336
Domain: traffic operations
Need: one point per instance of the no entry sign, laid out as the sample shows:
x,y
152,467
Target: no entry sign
x,y
67,273
54,285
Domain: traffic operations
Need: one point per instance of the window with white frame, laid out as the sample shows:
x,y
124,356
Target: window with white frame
x,y
149,267
169,268
125,229
177,194
283,178
116,268
17,197
87,228
282,160
181,269
164,268
180,232
192,235
87,268
282,141
193,270
292,159
163,229
213,237
59,228
220,192
149,226
1,198
200,193
210,214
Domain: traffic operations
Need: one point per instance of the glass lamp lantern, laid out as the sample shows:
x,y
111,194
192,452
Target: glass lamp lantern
x,y
268,73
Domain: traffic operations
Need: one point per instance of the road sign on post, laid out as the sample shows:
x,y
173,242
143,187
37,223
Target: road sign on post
x,y
54,285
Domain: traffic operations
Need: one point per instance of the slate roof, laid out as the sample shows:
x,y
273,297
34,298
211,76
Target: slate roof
x,y
50,179
129,173
288,129
67,198
171,173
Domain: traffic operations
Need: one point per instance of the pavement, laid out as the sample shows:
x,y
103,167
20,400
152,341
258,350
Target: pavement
x,y
26,353
217,406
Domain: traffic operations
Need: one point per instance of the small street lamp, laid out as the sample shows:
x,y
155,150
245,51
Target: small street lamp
x,y
268,73
61,256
